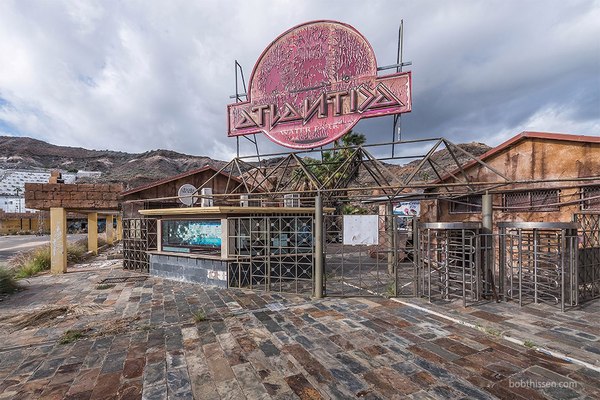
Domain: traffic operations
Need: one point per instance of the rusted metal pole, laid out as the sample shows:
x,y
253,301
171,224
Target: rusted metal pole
x,y
487,225
390,231
318,237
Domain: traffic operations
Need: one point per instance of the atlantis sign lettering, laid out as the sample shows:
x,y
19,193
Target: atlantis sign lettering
x,y
313,84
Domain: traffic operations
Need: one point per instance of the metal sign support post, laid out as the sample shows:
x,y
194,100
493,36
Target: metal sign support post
x,y
318,235
487,224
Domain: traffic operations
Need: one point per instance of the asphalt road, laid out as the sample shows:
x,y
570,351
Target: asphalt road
x,y
11,245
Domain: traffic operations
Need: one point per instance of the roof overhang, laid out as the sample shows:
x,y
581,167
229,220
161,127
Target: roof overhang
x,y
200,211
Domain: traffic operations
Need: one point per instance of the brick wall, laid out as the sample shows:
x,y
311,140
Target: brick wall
x,y
42,196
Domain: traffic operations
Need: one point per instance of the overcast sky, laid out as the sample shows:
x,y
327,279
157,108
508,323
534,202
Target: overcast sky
x,y
141,75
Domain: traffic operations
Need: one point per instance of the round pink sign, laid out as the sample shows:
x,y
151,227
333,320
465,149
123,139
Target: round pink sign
x,y
313,84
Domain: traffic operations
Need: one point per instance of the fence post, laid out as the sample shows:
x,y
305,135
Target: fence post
x,y
318,236
487,225
417,271
391,245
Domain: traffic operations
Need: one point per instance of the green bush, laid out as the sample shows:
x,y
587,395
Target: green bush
x,y
8,284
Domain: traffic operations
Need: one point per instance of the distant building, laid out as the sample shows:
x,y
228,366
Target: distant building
x,y
12,186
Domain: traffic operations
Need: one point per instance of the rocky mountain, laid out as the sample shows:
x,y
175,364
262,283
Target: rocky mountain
x,y
444,161
138,169
116,166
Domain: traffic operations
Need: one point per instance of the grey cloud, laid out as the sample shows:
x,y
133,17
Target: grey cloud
x,y
137,75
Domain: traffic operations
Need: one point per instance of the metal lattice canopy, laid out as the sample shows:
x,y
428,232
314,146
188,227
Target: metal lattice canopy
x,y
419,169
275,175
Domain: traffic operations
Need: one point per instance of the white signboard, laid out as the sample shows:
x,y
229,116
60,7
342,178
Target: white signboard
x,y
409,208
361,229
185,193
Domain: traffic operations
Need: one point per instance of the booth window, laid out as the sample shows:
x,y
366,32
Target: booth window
x,y
533,200
191,236
591,198
466,204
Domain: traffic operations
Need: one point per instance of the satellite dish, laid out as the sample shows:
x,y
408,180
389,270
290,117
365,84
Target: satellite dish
x,y
185,193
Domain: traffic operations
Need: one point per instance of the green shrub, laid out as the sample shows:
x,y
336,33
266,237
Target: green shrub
x,y
8,284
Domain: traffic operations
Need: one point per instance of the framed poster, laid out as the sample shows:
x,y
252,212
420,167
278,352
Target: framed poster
x,y
191,233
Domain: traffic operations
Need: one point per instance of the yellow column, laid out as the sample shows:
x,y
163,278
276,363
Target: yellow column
x,y
119,228
58,240
110,232
92,234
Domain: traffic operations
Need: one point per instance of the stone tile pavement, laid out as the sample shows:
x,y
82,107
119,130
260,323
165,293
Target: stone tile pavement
x,y
158,339
574,333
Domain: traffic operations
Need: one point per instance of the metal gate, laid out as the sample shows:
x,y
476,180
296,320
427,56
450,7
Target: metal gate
x,y
589,255
139,236
530,262
450,258
539,262
385,268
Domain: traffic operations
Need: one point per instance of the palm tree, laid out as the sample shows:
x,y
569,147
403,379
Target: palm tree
x,y
328,170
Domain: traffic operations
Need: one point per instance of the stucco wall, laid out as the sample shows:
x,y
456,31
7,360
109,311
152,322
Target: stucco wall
x,y
11,224
529,160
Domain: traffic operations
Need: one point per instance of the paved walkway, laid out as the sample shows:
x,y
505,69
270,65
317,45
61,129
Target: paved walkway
x,y
575,334
159,339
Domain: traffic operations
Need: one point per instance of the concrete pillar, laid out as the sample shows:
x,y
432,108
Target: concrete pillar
x,y
487,214
119,228
92,232
58,240
110,232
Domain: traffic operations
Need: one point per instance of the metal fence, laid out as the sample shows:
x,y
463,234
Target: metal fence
x,y
139,237
524,262
588,275
552,263
273,253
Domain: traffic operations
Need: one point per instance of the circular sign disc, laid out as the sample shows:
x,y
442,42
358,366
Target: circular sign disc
x,y
300,70
185,193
